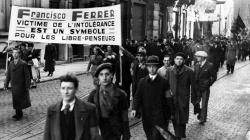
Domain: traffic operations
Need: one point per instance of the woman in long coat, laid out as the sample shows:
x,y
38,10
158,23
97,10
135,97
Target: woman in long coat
x,y
231,53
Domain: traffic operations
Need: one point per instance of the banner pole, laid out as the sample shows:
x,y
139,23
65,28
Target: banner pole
x,y
120,59
7,56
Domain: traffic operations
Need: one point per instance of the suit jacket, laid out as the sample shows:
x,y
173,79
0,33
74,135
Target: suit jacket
x,y
85,118
205,76
149,98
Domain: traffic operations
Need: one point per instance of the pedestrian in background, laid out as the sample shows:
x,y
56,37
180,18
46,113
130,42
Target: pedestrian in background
x,y
19,76
112,106
205,76
33,64
162,71
71,118
149,100
231,56
181,81
50,57
138,70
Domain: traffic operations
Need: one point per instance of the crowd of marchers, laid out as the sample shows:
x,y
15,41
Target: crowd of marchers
x,y
161,77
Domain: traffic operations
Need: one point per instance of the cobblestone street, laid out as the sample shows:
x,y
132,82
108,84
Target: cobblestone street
x,y
228,113
32,125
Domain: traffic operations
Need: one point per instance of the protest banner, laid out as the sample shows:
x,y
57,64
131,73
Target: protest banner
x,y
99,25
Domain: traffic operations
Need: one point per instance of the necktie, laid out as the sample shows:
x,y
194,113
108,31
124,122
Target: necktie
x,y
66,109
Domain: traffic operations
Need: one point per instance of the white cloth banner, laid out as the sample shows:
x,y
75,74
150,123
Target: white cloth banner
x,y
99,25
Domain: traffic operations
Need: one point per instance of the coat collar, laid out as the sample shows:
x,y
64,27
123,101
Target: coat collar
x,y
183,69
149,79
80,114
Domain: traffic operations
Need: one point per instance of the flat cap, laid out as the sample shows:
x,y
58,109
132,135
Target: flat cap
x,y
201,53
104,66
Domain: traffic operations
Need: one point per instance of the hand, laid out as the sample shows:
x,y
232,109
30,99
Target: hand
x,y
133,113
5,88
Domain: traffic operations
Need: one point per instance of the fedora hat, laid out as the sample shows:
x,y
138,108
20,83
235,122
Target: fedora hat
x,y
152,60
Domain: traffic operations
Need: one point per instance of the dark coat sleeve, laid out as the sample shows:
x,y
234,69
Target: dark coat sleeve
x,y
213,74
193,91
8,77
91,97
138,96
47,131
26,76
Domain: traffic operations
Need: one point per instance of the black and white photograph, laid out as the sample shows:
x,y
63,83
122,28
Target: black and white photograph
x,y
124,69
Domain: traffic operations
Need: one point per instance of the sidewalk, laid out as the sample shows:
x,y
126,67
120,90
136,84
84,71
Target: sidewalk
x,y
80,68
60,69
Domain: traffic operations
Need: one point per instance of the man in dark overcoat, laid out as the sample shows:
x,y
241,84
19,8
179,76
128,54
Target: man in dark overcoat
x,y
71,118
181,81
205,76
19,76
150,100
50,58
215,55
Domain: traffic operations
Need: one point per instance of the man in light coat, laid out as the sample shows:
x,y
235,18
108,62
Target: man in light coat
x,y
205,76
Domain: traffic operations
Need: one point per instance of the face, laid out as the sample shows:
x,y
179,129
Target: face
x,y
199,58
68,91
166,61
178,60
152,69
95,51
109,49
140,58
105,77
16,54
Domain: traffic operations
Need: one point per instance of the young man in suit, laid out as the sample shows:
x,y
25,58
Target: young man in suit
x,y
150,100
205,76
71,118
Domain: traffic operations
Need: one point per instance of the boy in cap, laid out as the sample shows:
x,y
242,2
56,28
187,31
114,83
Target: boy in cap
x,y
112,105
149,99
205,76
181,81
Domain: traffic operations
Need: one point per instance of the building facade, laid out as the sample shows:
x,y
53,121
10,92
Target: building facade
x,y
141,19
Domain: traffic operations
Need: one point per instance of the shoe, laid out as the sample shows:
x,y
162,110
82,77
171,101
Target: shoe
x,y
198,116
202,122
18,118
15,116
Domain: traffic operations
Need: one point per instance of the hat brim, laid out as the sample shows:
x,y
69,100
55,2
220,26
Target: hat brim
x,y
98,70
152,63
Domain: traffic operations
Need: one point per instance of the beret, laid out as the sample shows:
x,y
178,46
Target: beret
x,y
103,66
